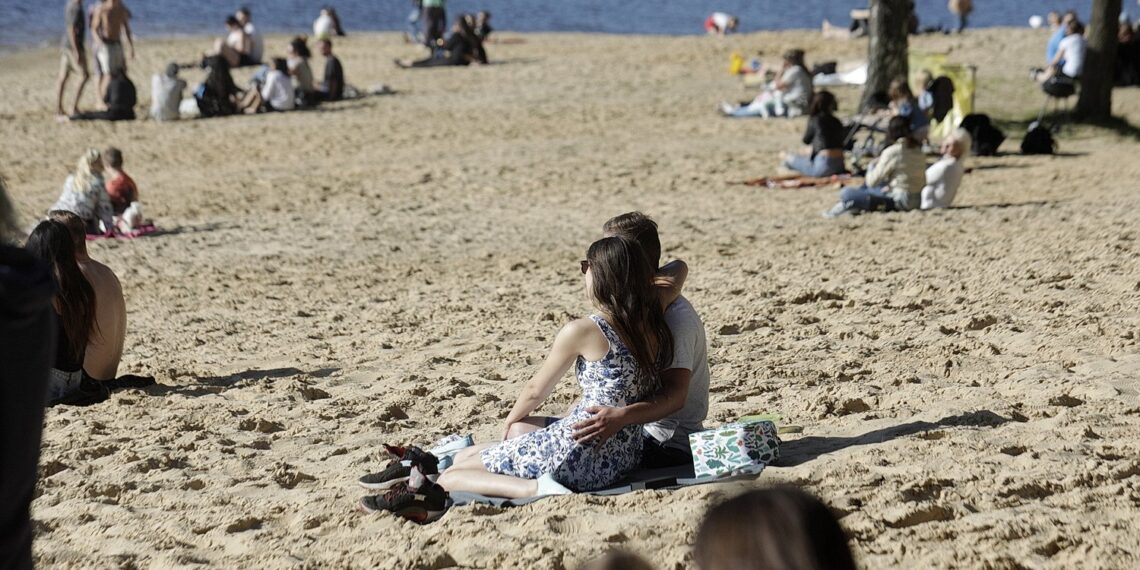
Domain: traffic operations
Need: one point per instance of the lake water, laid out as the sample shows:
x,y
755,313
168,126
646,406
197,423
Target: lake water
x,y
31,22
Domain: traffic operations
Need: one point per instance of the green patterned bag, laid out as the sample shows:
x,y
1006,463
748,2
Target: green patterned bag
x,y
721,451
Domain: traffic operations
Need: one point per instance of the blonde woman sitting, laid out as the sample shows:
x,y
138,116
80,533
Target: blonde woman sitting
x,y
85,195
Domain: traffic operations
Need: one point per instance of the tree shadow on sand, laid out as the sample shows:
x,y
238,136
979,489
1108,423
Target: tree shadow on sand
x,y
807,449
206,385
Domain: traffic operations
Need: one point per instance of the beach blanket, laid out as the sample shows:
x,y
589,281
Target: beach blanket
x,y
137,232
797,181
667,479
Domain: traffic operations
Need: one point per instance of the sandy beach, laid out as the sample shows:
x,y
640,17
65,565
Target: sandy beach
x,y
392,269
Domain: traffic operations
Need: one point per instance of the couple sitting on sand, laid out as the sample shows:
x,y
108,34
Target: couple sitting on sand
x,y
642,365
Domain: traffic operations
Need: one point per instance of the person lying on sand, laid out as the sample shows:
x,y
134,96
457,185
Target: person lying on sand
x,y
461,48
616,354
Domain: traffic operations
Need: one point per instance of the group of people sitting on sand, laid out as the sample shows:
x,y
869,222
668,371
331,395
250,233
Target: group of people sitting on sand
x,y
642,363
285,84
463,46
898,179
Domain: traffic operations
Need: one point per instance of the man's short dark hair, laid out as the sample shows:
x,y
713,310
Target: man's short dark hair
x,y
639,228
244,11
75,226
113,157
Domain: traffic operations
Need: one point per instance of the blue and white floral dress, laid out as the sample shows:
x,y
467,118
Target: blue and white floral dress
x,y
610,381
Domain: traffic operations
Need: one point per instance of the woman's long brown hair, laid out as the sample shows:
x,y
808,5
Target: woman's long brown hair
x,y
75,301
622,286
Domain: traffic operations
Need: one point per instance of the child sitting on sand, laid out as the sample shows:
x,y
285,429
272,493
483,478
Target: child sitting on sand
x,y
123,192
616,355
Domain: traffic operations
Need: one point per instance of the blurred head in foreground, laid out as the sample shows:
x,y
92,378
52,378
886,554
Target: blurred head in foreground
x,y
617,560
772,529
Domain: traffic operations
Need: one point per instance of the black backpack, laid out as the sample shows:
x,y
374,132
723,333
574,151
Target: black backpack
x,y
987,138
1038,140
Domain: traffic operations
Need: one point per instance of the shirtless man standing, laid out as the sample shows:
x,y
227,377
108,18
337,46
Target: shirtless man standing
x,y
105,348
74,56
110,23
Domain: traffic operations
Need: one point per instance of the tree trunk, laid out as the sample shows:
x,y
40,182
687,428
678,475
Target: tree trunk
x,y
887,52
1095,102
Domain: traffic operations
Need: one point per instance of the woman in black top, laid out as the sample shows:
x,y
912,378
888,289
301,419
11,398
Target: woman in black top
x,y
74,304
461,48
825,134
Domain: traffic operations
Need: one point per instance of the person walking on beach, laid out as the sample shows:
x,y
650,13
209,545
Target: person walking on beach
x,y
961,9
111,24
74,56
435,22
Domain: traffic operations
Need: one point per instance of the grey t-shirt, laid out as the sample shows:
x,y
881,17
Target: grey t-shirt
x,y
74,18
690,351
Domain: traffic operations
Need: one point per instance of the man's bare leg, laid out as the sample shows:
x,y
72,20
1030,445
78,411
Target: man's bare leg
x,y
60,86
83,78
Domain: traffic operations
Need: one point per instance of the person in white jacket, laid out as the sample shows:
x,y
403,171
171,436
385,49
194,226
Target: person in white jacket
x,y
945,176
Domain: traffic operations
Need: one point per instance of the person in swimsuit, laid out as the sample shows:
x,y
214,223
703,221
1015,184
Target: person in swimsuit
x,y
615,353
237,46
111,24
74,305
105,346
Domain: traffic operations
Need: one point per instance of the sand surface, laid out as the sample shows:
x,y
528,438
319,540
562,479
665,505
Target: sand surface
x,y
393,269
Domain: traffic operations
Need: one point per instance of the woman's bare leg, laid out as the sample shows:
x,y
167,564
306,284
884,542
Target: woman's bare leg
x,y
527,425
469,454
479,480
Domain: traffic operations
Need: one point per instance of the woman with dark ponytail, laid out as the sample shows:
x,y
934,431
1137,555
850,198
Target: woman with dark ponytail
x,y
74,304
616,355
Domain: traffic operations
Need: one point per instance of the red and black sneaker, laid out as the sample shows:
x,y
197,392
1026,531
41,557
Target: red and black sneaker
x,y
422,505
400,468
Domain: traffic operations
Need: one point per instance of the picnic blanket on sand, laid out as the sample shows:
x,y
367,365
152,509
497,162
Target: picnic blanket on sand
x,y
796,181
668,478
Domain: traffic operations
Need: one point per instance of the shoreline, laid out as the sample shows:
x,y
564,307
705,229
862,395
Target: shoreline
x,y
7,49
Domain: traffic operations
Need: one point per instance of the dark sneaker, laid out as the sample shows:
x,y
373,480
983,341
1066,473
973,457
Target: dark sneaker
x,y
423,505
401,467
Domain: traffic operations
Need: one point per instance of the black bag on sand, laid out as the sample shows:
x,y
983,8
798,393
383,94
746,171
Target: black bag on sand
x,y
1038,140
987,138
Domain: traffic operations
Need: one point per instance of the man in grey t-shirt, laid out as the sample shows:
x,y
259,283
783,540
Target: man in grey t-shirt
x,y
682,404
73,56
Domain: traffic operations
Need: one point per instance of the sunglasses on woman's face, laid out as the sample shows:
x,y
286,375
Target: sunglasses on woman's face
x,y
585,266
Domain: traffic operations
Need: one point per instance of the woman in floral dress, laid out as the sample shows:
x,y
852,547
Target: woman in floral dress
x,y
616,354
